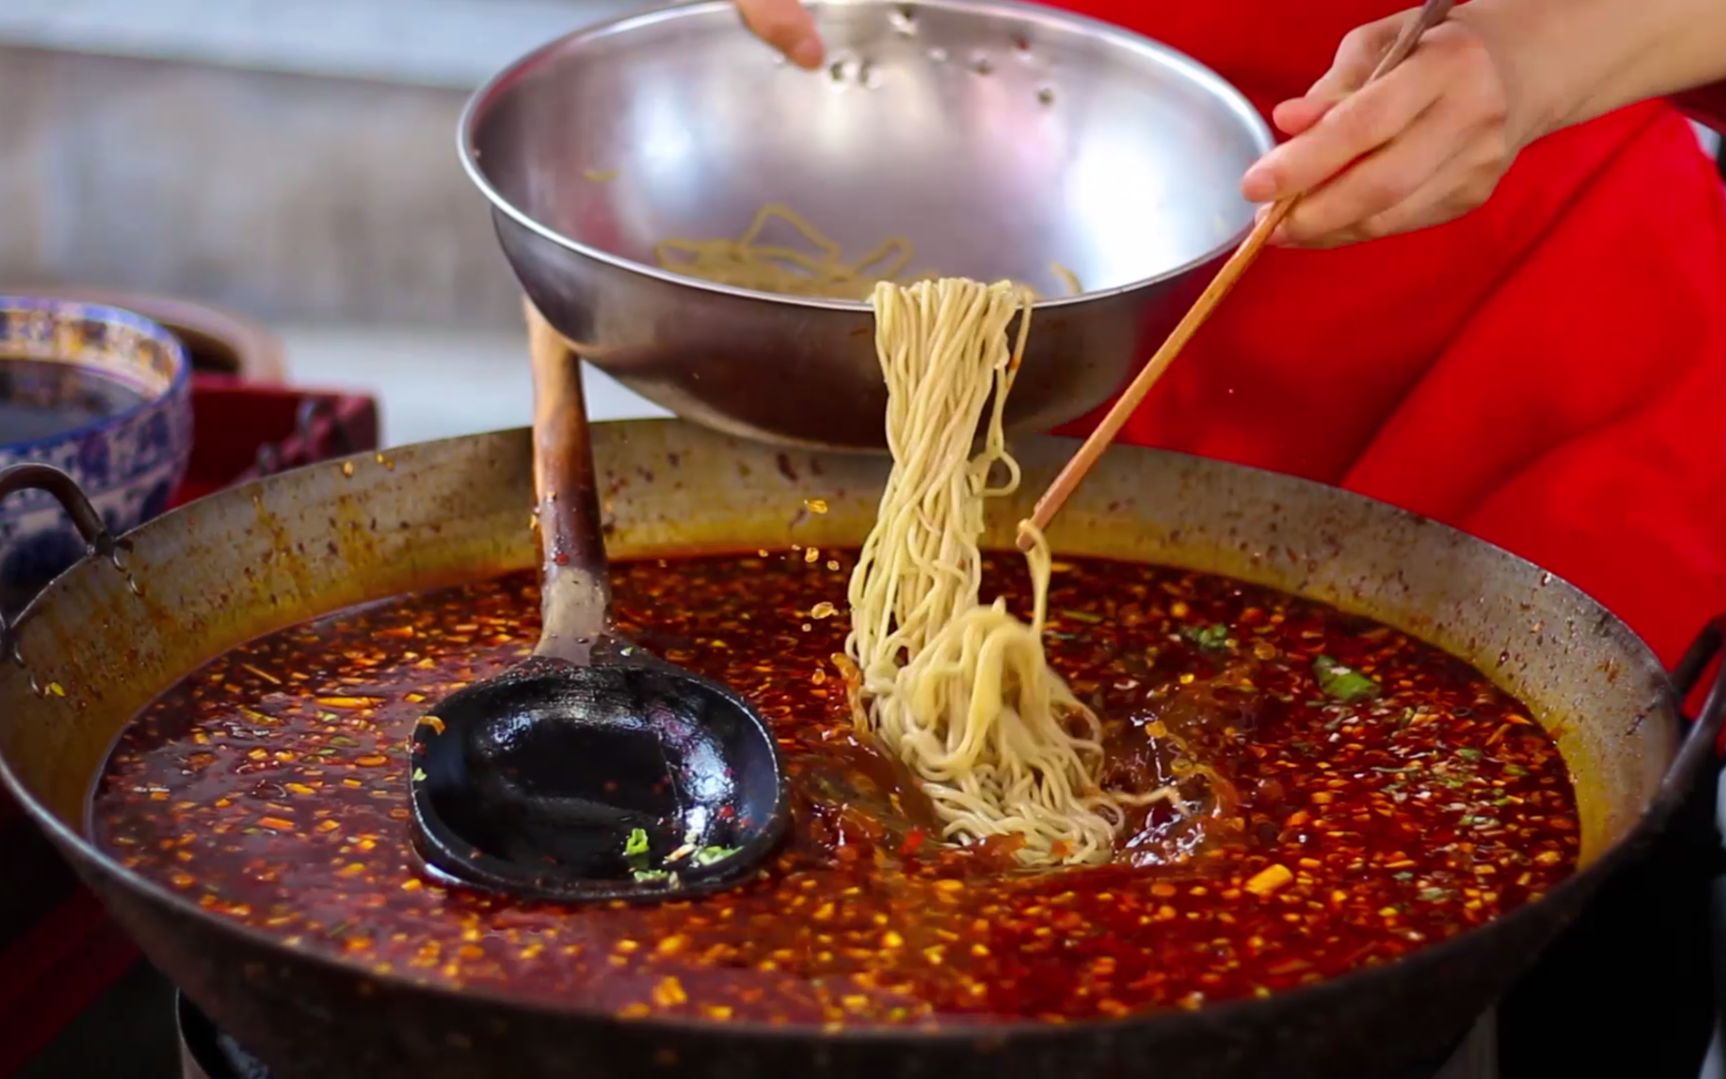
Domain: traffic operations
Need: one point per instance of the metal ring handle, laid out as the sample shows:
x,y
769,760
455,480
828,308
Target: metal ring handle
x,y
65,490
1708,645
1701,743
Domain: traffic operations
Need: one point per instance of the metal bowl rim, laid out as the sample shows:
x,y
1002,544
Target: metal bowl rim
x,y
60,308
1690,754
482,99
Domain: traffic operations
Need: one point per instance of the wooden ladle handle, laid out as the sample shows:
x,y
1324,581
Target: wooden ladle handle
x,y
575,587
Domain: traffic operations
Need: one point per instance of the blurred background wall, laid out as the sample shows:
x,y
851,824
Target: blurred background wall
x,y
294,160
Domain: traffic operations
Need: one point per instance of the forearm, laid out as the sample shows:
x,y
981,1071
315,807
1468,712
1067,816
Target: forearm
x,y
1584,58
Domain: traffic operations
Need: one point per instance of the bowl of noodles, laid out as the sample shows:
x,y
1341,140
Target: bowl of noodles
x,y
706,222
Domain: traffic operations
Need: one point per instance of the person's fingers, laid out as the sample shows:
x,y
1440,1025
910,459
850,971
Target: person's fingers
x,y
1354,127
1426,143
1299,113
1356,56
786,26
1377,182
1462,184
1445,163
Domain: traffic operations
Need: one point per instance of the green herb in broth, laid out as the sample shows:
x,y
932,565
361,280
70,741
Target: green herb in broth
x,y
1343,683
1213,638
636,845
707,856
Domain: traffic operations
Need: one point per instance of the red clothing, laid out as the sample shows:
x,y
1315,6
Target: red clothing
x,y
1548,373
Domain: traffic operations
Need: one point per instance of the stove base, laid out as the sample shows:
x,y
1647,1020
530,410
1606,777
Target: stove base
x,y
207,1053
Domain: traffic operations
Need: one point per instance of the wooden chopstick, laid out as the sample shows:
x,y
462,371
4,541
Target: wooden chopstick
x,y
1073,473
1431,14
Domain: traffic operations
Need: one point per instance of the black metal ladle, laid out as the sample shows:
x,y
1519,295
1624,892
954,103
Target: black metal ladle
x,y
591,770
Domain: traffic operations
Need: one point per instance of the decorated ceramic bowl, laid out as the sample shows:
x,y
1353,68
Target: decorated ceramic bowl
x,y
102,394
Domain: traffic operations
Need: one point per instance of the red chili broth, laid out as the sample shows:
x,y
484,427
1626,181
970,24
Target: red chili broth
x,y
270,787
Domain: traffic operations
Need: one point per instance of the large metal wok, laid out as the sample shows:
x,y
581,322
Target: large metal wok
x,y
94,649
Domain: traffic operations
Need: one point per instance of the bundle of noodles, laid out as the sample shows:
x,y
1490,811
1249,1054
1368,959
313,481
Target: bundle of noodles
x,y
961,692
817,269
747,262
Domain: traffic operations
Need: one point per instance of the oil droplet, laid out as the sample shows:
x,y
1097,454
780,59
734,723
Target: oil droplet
x,y
347,468
938,54
824,609
815,505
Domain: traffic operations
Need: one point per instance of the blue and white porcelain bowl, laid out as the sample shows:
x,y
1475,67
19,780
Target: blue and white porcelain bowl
x,y
102,394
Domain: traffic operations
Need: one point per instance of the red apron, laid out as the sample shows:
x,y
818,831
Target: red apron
x,y
1548,373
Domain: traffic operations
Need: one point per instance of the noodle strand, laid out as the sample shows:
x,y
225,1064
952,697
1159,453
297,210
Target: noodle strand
x,y
821,270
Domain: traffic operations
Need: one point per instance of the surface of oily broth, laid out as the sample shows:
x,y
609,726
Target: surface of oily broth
x,y
1375,796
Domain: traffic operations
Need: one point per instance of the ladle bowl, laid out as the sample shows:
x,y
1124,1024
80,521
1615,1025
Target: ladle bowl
x,y
598,782
592,770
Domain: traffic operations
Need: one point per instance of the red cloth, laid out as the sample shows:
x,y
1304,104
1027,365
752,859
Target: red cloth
x,y
1548,373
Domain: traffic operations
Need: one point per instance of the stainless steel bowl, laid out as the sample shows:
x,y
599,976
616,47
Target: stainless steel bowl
x,y
1000,138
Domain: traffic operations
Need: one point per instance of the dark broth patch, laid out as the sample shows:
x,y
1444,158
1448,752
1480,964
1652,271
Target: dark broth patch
x,y
40,399
270,787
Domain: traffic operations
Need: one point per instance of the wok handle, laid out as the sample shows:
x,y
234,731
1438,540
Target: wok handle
x,y
65,490
1709,645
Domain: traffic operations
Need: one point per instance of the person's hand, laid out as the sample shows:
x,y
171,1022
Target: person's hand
x,y
784,25
1425,143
